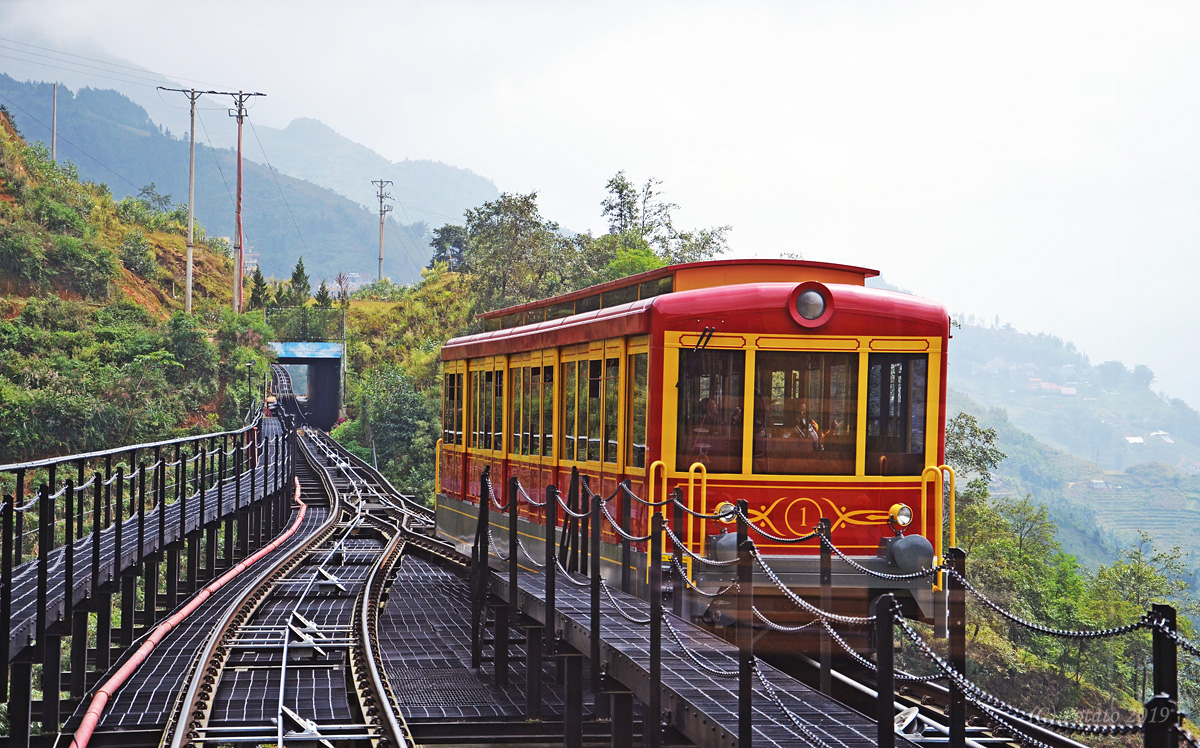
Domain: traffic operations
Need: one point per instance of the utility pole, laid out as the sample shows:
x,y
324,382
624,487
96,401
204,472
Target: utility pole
x,y
54,128
239,99
192,95
383,211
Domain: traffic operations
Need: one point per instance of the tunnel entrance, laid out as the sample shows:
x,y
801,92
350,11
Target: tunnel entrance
x,y
316,370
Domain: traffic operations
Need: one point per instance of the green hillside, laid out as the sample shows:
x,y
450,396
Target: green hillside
x,y
96,348
110,139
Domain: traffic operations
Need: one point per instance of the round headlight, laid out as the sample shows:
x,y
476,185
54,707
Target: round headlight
x,y
901,515
726,512
810,304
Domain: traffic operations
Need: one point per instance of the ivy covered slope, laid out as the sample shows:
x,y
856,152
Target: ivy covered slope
x,y
95,349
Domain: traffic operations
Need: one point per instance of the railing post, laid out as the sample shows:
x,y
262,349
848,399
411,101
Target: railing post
x,y
626,544
19,517
551,564
885,686
160,500
677,569
585,524
141,514
824,531
745,628
45,541
6,569
1162,711
513,541
652,719
957,624
97,488
594,506
480,569
69,549
118,530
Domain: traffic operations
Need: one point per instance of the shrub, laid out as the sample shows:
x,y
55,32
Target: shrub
x,y
90,267
56,216
22,256
137,255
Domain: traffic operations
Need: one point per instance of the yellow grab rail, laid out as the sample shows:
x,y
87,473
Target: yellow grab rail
x,y
947,468
697,546
937,479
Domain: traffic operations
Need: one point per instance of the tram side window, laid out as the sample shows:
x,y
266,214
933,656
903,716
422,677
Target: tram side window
x,y
595,397
452,409
711,389
487,395
547,411
805,413
459,397
515,441
638,378
896,400
612,384
569,405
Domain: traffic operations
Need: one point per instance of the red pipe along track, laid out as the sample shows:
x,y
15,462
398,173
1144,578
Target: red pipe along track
x,y
105,692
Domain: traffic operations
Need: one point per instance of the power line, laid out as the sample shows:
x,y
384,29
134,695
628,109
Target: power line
x,y
216,160
73,70
277,187
93,59
407,255
79,64
65,140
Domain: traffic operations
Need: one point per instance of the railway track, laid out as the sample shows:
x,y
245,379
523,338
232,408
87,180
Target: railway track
x,y
296,657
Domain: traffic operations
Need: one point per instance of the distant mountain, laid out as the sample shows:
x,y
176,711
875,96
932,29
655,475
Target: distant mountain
x,y
425,191
112,140
428,191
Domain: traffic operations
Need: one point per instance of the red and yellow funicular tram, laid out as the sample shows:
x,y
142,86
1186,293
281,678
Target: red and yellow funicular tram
x,y
786,383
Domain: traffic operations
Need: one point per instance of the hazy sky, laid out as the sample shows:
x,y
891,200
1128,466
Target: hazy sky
x,y
1038,161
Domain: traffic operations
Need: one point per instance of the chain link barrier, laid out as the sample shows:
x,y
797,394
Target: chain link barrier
x,y
988,702
698,559
675,563
805,729
715,671
770,536
806,605
620,609
1146,621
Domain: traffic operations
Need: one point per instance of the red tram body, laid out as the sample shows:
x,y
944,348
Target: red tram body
x,y
789,384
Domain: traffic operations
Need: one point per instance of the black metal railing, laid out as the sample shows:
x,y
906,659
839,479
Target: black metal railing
x,y
75,531
567,554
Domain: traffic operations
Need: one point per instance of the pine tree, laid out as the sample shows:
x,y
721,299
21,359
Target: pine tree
x,y
258,289
323,298
300,284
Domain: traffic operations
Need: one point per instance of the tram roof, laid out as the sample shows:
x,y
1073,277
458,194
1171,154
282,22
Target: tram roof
x,y
684,277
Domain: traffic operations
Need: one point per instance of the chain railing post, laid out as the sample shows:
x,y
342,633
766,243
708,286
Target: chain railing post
x,y
626,544
513,541
745,628
551,566
585,524
824,531
885,686
1162,711
479,569
141,513
652,719
118,501
677,569
601,703
956,621
45,540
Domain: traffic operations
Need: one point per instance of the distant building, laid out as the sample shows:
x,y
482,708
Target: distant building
x,y
1135,440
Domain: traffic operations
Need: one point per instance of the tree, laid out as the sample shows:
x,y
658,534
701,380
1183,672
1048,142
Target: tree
x,y
342,281
258,289
300,285
514,253
450,244
324,299
648,216
970,448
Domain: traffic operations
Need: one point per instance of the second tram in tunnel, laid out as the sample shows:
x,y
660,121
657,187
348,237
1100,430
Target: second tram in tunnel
x,y
789,384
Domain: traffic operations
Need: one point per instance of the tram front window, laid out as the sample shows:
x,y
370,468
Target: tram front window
x,y
805,412
711,389
896,385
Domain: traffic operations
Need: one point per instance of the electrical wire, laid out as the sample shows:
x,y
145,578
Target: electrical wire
x,y
277,187
93,59
69,142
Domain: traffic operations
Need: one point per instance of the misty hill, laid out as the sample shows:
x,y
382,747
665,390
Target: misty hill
x,y
428,191
112,140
